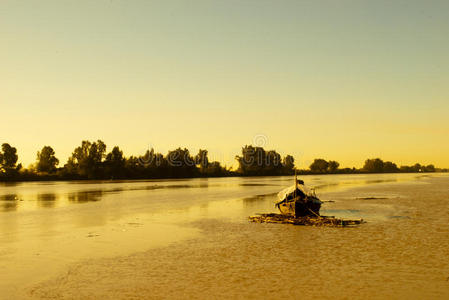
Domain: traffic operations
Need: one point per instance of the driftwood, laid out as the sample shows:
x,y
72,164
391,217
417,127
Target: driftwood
x,y
310,220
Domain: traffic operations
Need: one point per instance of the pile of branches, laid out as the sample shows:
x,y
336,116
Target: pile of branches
x,y
309,220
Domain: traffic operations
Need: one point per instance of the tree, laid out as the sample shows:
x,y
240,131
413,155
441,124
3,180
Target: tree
x,y
390,167
135,167
202,159
429,168
86,160
115,163
374,165
181,163
273,160
417,168
180,158
289,163
319,166
213,168
333,166
46,160
8,159
273,163
252,161
256,161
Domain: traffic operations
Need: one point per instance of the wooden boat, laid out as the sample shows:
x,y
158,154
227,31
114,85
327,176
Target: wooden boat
x,y
298,201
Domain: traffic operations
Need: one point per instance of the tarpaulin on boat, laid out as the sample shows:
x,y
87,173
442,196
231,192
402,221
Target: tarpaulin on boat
x,y
287,191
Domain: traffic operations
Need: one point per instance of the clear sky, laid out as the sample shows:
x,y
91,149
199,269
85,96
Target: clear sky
x,y
342,80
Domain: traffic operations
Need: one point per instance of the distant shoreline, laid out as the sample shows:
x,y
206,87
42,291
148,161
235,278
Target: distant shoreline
x,y
91,161
306,173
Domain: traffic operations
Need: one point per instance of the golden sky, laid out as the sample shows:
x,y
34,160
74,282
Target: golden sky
x,y
342,80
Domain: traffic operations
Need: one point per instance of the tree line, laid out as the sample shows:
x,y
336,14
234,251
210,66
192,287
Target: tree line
x,y
375,165
91,160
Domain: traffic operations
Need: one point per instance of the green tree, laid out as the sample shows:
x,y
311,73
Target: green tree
x,y
46,160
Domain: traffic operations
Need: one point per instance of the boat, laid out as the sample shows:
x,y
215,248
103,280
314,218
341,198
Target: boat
x,y
298,201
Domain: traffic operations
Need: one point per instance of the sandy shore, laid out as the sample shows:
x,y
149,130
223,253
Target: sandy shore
x,y
401,253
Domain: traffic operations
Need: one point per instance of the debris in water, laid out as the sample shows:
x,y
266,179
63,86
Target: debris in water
x,y
135,224
91,234
306,220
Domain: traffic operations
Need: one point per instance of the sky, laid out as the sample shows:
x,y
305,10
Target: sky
x,y
341,80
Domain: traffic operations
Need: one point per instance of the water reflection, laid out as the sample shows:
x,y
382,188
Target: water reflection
x,y
46,200
348,183
85,196
371,198
380,181
326,186
257,184
156,187
114,190
398,217
342,213
9,202
7,183
256,200
159,187
50,199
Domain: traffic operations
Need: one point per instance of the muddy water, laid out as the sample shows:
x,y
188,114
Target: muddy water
x,y
191,238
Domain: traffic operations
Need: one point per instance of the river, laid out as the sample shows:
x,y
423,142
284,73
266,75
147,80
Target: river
x,y
191,238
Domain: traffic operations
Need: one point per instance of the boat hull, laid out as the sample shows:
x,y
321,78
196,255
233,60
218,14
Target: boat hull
x,y
300,208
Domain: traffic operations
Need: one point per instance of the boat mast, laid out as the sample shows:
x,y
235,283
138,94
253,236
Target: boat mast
x,y
296,185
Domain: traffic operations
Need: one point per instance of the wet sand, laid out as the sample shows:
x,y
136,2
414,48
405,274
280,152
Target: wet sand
x,y
401,253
